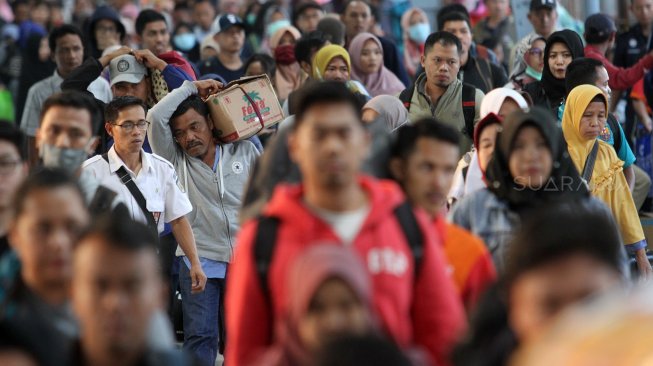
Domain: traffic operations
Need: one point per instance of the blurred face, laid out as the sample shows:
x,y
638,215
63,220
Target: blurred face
x,y
334,310
230,6
337,70
497,8
12,172
44,50
643,11
287,39
535,55
508,106
486,144
426,175
16,357
66,127
194,133
255,68
329,146
106,34
417,18
357,19
544,21
68,53
530,161
603,80
40,14
461,30
371,57
441,64
593,120
43,235
156,38
559,58
115,292
540,294
140,90
307,21
128,137
231,40
203,14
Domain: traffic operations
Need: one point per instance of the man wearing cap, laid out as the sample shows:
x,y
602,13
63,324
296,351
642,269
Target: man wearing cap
x,y
543,15
229,32
307,15
68,53
600,35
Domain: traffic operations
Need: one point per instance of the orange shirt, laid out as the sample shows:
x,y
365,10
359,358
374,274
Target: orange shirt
x,y
471,267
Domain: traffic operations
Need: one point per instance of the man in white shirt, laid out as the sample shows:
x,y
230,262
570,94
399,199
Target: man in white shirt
x,y
68,53
152,175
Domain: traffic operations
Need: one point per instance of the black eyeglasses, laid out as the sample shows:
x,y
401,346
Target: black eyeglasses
x,y
129,126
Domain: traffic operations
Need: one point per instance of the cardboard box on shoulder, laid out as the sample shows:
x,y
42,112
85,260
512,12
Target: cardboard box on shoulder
x,y
244,107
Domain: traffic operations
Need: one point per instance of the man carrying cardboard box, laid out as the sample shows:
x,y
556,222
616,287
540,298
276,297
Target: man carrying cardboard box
x,y
213,175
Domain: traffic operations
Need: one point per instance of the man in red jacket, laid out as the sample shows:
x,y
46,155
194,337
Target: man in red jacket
x,y
417,305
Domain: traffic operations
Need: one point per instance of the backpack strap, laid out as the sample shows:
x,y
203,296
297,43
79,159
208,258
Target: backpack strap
x,y
408,222
406,96
264,244
616,131
588,169
469,109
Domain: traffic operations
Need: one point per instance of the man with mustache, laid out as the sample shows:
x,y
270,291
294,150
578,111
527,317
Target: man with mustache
x,y
149,175
214,176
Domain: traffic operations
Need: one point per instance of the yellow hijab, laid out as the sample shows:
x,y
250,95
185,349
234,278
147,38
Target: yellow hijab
x,y
608,182
324,56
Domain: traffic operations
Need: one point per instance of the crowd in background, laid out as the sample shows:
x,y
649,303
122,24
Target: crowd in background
x,y
438,193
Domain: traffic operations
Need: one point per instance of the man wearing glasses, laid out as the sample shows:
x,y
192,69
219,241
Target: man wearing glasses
x,y
146,182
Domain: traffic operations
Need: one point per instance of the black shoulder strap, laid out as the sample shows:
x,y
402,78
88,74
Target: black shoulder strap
x,y
101,201
408,222
264,243
469,109
588,169
616,131
126,179
406,96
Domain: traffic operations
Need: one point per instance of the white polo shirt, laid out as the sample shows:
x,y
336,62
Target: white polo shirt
x,y
156,180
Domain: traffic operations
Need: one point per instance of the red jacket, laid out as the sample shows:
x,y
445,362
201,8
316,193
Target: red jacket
x,y
621,78
437,312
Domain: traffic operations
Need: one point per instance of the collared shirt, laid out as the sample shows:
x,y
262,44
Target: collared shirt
x,y
42,90
156,180
631,46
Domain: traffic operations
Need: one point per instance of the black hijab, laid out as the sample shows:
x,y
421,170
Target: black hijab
x,y
554,88
563,185
33,71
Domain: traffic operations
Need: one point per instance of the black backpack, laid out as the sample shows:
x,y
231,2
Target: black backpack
x,y
266,237
616,135
468,104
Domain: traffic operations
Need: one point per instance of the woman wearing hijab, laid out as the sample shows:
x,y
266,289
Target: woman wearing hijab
x,y
529,167
37,65
585,114
416,28
328,280
289,75
332,63
562,47
388,109
367,66
496,105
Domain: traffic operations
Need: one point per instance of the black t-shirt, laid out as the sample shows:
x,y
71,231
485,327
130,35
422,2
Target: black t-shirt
x,y
214,66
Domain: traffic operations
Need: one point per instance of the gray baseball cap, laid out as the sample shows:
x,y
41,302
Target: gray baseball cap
x,y
126,68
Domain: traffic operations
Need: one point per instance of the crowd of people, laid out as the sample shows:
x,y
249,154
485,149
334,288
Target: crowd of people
x,y
446,196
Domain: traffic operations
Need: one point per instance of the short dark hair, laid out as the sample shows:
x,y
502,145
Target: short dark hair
x,y
148,16
407,136
454,16
333,30
444,39
62,31
122,232
266,61
307,44
77,100
301,8
349,2
540,241
9,132
326,92
193,102
43,178
581,71
115,106
460,8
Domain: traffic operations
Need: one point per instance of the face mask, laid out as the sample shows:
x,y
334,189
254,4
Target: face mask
x,y
418,33
533,73
185,42
250,19
64,158
285,55
275,26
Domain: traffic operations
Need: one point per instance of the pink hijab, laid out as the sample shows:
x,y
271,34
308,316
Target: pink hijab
x,y
379,83
288,77
309,271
